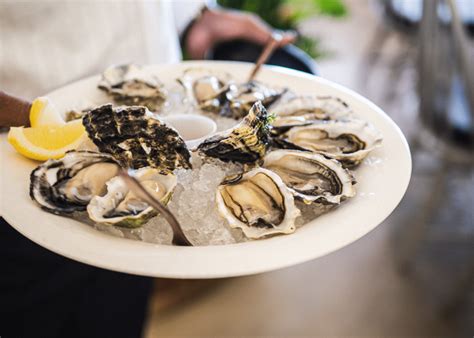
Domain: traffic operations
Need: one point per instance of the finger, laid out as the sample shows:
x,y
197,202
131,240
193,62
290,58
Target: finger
x,y
288,37
258,31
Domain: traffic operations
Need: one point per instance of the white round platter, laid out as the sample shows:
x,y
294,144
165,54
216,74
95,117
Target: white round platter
x,y
382,181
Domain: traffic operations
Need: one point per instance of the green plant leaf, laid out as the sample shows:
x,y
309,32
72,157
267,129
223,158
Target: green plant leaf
x,y
334,8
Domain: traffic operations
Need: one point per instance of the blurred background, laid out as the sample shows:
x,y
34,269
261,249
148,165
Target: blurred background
x,y
414,274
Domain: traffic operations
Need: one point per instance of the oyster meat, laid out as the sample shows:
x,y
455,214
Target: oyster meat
x,y
121,207
303,110
312,177
136,138
131,85
258,202
244,143
67,185
347,141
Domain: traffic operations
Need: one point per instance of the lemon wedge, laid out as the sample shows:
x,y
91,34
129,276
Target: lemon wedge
x,y
43,112
47,141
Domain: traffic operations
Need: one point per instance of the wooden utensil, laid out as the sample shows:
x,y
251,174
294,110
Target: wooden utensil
x,y
272,44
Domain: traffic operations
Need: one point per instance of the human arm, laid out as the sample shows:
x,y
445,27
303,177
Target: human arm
x,y
14,112
216,25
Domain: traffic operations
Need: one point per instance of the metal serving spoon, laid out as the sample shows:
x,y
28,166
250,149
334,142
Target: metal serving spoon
x,y
179,238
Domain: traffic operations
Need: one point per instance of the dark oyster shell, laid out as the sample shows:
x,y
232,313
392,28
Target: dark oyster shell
x,y
136,138
245,143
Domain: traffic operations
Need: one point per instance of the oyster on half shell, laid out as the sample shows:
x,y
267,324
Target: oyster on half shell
x,y
131,85
121,207
136,138
67,185
244,143
311,177
246,95
217,92
206,89
258,202
303,110
348,141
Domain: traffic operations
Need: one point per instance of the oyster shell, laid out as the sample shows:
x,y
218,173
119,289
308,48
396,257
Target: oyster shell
x,y
311,177
303,110
207,89
75,114
130,85
120,207
244,143
67,185
245,95
216,92
258,202
136,138
347,141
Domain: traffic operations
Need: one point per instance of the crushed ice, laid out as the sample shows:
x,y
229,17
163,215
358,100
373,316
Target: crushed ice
x,y
194,205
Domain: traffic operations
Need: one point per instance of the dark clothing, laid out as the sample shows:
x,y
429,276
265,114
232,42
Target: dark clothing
x,y
46,295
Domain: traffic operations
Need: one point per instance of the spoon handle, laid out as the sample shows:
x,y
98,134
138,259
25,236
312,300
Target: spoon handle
x,y
266,53
179,238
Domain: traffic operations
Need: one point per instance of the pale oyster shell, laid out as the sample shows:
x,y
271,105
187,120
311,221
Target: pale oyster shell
x,y
265,204
312,177
67,185
120,207
348,141
304,109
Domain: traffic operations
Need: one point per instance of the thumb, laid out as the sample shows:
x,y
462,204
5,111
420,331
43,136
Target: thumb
x,y
288,37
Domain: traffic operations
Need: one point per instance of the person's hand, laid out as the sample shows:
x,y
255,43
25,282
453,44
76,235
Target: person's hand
x,y
217,25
